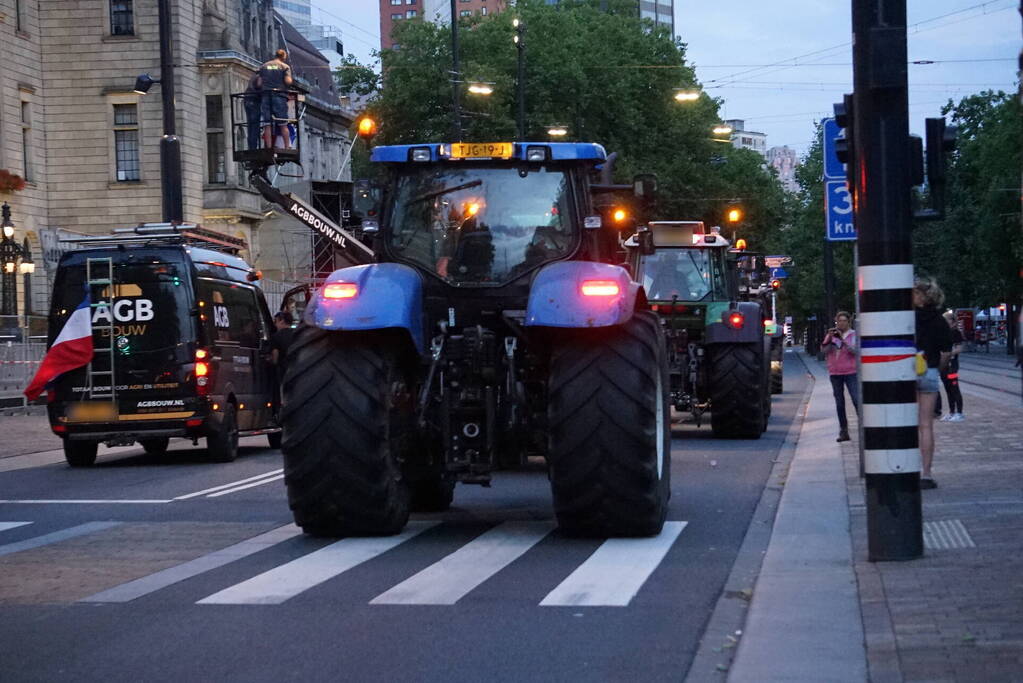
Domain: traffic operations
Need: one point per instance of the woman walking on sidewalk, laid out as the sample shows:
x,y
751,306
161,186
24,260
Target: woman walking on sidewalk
x,y
840,346
950,376
934,339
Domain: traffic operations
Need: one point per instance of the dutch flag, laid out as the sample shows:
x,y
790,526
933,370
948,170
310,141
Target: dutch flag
x,y
71,349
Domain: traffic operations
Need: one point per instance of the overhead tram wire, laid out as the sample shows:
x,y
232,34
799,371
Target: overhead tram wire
x,y
782,65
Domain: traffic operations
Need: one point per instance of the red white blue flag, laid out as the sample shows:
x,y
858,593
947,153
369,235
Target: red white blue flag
x,y
71,349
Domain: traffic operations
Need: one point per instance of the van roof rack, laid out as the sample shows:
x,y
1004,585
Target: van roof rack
x,y
167,233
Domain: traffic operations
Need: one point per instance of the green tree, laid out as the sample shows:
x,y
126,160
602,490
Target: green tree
x,y
593,67
976,252
803,240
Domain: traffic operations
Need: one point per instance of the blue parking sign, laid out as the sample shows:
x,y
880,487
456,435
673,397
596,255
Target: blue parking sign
x,y
839,211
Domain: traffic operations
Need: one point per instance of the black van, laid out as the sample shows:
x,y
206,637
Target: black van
x,y
181,333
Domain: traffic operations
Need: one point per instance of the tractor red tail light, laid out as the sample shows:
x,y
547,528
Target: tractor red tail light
x,y
341,290
600,288
735,319
768,322
202,369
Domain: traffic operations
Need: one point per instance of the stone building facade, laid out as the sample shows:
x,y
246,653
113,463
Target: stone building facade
x,y
88,146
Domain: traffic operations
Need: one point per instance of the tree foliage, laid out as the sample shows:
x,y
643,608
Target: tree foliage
x,y
592,66
977,251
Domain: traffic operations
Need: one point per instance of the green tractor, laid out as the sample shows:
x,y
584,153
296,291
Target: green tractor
x,y
718,353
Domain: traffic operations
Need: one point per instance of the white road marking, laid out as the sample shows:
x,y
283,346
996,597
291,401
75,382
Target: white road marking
x,y
446,581
56,537
288,580
613,574
4,526
161,579
85,501
245,486
228,485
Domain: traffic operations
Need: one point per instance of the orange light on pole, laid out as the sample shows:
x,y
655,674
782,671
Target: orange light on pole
x,y
734,215
367,127
619,215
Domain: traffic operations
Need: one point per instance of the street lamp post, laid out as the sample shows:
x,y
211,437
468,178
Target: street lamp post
x,y
520,78
13,259
170,145
456,74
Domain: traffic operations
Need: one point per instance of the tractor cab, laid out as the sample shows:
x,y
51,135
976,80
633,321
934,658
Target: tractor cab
x,y
680,261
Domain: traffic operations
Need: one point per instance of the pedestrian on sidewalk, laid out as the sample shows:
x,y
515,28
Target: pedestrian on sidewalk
x,y
934,339
840,346
950,376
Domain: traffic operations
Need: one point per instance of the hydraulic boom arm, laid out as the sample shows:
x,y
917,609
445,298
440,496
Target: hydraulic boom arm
x,y
317,222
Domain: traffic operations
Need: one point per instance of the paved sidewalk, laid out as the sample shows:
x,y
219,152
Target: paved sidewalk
x,y
23,434
954,615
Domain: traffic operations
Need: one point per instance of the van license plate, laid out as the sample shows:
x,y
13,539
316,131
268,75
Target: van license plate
x,y
92,411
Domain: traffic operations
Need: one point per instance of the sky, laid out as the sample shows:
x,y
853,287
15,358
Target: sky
x,y
780,64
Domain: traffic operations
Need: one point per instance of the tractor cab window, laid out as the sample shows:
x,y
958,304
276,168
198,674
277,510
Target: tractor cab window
x,y
685,274
481,225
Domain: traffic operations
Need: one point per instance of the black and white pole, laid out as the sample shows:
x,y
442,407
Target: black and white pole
x,y
880,176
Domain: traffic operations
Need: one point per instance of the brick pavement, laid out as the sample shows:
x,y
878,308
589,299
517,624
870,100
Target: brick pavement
x,y
956,614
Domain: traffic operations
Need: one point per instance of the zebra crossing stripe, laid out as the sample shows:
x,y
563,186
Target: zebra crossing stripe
x,y
56,537
446,581
613,574
161,579
288,580
4,526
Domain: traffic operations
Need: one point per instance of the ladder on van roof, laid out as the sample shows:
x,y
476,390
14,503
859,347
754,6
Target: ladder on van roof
x,y
99,278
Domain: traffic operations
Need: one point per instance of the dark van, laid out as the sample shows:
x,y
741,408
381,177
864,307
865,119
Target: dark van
x,y
181,333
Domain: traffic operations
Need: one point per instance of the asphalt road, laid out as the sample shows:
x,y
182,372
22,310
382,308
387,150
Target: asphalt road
x,y
174,568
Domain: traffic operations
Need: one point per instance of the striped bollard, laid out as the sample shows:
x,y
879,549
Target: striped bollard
x,y
891,453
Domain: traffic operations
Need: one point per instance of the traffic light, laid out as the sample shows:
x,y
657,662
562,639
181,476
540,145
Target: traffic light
x,y
776,284
367,128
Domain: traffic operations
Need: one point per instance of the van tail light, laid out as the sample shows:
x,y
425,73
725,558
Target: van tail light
x,y
600,288
59,429
735,319
341,290
202,371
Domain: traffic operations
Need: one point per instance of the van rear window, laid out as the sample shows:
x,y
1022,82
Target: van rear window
x,y
148,308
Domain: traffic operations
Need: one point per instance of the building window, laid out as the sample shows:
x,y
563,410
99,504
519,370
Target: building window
x,y
484,11
19,16
411,2
126,142
465,13
410,14
122,18
396,17
216,155
28,172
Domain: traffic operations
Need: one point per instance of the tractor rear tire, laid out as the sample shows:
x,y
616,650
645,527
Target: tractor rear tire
x,y
777,355
347,417
610,435
736,376
80,453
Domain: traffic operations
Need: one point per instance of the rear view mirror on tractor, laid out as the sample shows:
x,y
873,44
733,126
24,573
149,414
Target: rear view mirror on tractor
x,y
366,199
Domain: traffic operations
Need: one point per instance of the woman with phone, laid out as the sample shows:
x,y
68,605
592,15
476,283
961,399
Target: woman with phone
x,y
840,346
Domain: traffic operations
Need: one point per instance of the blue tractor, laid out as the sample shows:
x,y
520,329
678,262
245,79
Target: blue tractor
x,y
489,328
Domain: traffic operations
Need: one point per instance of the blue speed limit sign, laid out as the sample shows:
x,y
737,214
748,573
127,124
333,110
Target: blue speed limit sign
x,y
839,211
